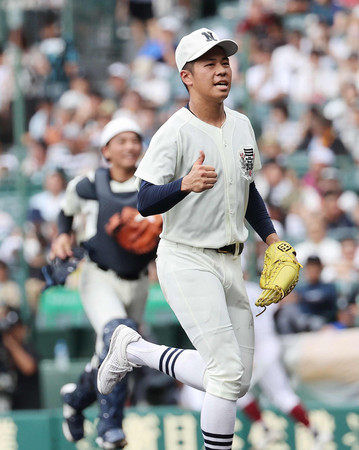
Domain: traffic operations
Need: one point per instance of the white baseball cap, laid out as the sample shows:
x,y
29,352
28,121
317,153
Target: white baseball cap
x,y
120,70
117,126
199,42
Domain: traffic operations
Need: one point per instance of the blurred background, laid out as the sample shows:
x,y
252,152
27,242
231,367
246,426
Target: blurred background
x,y
66,68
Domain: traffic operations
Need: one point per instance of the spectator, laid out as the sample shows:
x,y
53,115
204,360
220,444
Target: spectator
x,y
347,315
349,70
290,320
47,203
36,243
336,219
154,90
6,91
316,297
260,25
282,128
19,359
311,306
9,164
141,17
77,100
339,109
320,133
161,47
62,59
72,153
34,164
344,40
350,132
262,85
324,10
336,45
315,80
317,242
319,158
117,82
288,60
11,239
324,134
40,120
30,66
344,272
329,182
276,187
10,293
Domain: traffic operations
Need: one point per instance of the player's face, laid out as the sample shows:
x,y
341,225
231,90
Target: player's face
x,y
212,75
123,150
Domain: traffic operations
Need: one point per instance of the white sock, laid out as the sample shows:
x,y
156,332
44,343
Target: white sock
x,y
217,422
186,366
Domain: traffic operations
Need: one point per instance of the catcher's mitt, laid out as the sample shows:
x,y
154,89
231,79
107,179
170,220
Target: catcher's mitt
x,y
133,232
280,273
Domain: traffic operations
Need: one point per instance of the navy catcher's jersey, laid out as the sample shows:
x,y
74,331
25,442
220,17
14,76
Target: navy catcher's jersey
x,y
102,248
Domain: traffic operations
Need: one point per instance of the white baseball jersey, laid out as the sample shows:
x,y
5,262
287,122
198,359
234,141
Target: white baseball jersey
x,y
213,218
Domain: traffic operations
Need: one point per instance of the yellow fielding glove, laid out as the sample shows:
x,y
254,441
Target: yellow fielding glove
x,y
280,273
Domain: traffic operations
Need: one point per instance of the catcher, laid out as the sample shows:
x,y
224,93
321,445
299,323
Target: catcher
x,y
119,245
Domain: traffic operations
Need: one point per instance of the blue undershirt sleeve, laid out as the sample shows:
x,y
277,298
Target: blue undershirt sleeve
x,y
64,223
157,199
257,214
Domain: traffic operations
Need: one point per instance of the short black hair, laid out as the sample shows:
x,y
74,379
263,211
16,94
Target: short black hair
x,y
50,18
189,66
314,259
3,265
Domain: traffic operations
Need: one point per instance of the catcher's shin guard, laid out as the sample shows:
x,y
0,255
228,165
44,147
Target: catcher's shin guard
x,y
112,408
85,392
77,397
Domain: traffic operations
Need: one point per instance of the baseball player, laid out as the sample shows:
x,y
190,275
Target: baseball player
x,y
114,282
198,172
271,376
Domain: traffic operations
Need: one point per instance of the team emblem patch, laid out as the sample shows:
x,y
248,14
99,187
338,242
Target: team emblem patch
x,y
209,36
246,159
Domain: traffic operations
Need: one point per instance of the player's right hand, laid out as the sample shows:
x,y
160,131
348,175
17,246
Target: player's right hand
x,y
200,178
61,247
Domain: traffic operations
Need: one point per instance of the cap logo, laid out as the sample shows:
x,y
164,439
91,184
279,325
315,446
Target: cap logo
x,y
209,36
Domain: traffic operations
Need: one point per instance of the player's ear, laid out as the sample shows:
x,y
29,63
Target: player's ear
x,y
105,152
186,77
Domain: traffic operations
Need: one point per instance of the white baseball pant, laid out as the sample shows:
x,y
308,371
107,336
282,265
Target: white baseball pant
x,y
105,296
206,291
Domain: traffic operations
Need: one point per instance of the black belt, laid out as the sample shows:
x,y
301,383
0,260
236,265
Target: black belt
x,y
232,248
129,277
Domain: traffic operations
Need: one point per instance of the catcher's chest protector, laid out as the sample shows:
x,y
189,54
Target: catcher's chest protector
x,y
102,248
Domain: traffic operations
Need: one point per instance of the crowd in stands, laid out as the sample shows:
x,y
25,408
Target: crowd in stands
x,y
296,76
